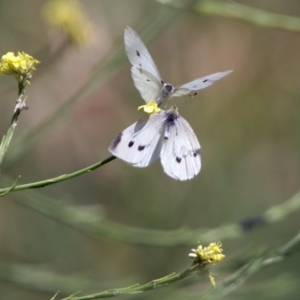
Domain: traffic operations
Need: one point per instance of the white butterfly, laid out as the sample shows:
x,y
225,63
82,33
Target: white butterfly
x,y
146,76
165,134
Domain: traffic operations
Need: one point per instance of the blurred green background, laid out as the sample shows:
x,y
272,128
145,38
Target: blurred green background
x,y
248,125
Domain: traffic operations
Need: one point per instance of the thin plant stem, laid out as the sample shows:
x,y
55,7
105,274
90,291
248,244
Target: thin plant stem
x,y
47,281
233,10
20,105
268,258
43,183
255,265
134,289
95,224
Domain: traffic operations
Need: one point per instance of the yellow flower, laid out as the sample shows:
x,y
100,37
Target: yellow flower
x,y
150,108
211,254
207,256
21,65
68,15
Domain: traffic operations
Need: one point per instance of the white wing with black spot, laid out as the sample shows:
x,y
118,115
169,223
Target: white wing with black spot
x,y
180,156
198,84
138,54
147,85
140,144
145,74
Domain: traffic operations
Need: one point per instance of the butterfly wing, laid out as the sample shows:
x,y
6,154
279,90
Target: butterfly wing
x,y
138,54
180,155
140,144
198,84
147,85
144,72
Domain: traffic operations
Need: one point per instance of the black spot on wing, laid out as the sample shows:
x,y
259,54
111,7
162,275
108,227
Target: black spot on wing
x,y
178,159
205,80
116,141
130,144
138,53
141,147
196,153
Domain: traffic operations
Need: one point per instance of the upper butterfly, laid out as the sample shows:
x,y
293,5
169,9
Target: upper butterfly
x,y
146,76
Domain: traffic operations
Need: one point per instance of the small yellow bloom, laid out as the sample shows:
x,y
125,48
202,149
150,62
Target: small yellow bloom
x,y
211,254
21,65
150,108
207,256
68,15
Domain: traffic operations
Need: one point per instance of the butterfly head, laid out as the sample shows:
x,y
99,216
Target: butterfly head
x,y
167,90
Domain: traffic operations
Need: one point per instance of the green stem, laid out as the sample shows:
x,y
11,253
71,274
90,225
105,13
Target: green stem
x,y
250,14
228,285
47,281
255,265
6,141
18,108
154,284
232,10
82,219
43,183
11,188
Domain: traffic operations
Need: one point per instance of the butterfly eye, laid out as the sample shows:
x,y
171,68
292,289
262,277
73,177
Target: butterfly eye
x,y
169,87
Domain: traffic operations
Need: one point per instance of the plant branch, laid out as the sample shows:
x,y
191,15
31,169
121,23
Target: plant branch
x,y
272,256
48,281
243,274
242,12
20,105
43,183
91,222
134,289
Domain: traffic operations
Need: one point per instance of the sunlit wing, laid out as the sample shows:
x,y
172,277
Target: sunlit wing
x,y
198,84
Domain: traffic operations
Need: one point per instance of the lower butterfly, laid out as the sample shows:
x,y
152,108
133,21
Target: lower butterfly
x,y
163,134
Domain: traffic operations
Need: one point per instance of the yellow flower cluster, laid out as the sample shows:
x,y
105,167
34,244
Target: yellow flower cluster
x,y
20,65
68,15
210,254
206,256
150,108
